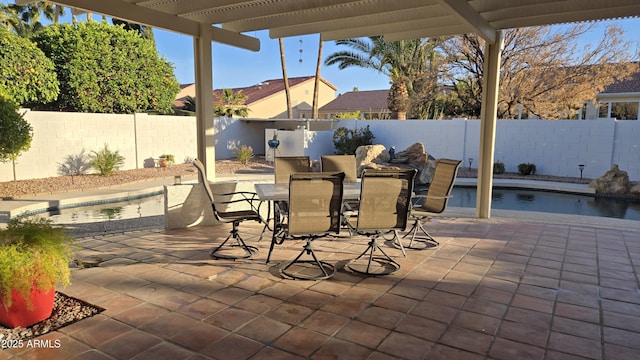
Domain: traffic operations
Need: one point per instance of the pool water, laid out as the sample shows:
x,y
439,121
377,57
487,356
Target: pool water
x,y
550,202
502,199
131,209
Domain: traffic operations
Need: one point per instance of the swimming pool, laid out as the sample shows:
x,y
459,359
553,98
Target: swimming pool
x,y
149,211
550,202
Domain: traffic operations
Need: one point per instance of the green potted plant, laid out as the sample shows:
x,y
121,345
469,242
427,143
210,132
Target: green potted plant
x,y
166,160
34,258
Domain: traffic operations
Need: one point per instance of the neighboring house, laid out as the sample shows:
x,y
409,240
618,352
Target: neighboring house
x,y
620,100
371,104
266,100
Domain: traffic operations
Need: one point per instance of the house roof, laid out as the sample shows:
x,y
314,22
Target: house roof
x,y
358,100
630,85
258,91
270,87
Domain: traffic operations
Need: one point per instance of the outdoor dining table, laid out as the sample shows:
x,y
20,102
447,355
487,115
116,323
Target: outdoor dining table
x,y
278,193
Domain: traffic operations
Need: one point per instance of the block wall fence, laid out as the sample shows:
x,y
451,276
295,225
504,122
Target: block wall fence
x,y
555,147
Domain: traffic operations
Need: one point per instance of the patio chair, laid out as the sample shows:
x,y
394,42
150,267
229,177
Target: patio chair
x,y
385,199
315,201
340,163
346,164
434,202
249,212
284,166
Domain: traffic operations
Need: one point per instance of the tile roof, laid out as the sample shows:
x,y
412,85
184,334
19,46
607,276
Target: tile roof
x,y
267,88
258,91
358,100
630,85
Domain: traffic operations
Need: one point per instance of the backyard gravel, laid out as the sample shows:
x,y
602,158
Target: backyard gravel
x,y
62,184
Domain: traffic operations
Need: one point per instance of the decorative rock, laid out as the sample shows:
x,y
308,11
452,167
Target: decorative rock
x,y
369,153
635,189
414,157
614,181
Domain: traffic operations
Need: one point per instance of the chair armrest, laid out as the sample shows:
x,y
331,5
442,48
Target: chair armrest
x,y
247,196
420,196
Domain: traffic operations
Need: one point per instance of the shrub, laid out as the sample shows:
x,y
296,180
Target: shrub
x,y
28,76
15,132
169,157
33,253
498,167
107,69
526,169
75,164
105,160
346,141
244,153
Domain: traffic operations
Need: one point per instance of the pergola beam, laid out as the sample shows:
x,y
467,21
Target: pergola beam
x,y
133,13
473,19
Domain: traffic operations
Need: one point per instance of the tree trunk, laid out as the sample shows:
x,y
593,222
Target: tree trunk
x,y
316,85
285,79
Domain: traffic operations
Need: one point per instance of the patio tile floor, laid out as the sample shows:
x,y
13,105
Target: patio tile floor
x,y
498,289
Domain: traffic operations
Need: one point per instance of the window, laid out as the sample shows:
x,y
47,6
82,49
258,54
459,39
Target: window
x,y
624,110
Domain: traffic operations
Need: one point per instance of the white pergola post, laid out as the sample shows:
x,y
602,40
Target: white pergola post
x,y
204,100
490,86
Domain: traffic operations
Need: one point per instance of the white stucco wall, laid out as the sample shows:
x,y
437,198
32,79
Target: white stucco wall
x,y
556,147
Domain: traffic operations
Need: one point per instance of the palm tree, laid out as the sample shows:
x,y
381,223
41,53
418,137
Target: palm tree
x,y
403,62
189,104
24,20
285,78
316,84
231,103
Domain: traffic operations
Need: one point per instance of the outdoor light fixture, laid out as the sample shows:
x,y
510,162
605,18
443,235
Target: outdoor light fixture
x,y
470,162
581,167
177,180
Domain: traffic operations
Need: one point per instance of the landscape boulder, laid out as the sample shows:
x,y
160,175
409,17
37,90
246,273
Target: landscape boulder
x,y
413,157
614,181
635,190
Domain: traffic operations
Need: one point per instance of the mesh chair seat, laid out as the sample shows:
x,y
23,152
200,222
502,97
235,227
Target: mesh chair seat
x,y
385,198
346,164
315,200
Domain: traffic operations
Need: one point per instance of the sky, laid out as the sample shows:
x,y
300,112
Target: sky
x,y
234,67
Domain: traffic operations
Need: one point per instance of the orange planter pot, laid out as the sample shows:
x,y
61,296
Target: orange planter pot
x,y
18,314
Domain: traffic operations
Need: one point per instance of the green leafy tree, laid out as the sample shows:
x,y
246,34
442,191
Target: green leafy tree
x,y
145,32
16,133
106,69
28,76
230,103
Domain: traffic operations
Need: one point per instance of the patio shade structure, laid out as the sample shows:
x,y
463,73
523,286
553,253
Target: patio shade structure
x,y
225,21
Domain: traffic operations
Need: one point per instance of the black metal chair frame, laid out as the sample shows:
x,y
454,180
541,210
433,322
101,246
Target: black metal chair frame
x,y
234,217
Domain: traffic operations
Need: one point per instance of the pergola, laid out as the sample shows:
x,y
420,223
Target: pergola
x,y
225,21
